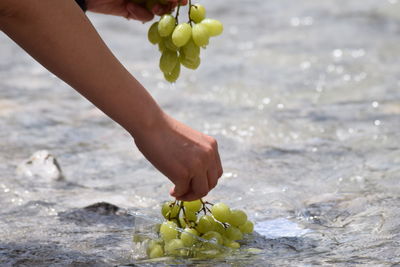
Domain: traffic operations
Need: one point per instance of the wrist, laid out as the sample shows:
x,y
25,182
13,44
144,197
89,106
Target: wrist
x,y
151,120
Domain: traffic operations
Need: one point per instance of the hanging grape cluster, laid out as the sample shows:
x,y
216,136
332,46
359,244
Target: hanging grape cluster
x,y
179,43
189,222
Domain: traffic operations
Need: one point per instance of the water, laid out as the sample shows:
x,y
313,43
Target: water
x,y
304,99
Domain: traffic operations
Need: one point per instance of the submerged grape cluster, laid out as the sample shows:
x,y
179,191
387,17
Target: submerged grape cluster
x,y
179,43
185,227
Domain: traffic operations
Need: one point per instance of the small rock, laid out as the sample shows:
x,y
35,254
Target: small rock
x,y
101,213
103,208
41,164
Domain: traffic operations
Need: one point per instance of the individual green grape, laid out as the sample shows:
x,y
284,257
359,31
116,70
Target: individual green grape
x,y
169,211
157,227
150,245
168,230
174,74
156,252
205,224
197,13
221,212
191,51
168,61
166,25
214,26
233,233
174,221
231,244
189,63
188,236
194,206
169,44
174,246
213,236
218,227
165,210
200,34
191,215
247,227
237,218
153,35
189,219
182,222
181,34
161,46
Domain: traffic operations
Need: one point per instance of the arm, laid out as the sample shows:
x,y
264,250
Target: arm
x,y
58,35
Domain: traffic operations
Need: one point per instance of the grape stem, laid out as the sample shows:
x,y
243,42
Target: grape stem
x,y
180,208
179,211
177,12
169,213
190,22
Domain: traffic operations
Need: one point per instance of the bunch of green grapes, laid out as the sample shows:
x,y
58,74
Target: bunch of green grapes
x,y
179,43
189,222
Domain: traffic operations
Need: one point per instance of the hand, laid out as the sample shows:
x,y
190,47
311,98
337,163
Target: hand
x,y
131,10
188,158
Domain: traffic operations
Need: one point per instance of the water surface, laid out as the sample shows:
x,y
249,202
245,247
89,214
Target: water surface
x,y
303,98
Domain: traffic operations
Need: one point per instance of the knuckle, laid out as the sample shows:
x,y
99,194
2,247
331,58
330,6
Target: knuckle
x,y
202,159
197,163
213,185
213,142
210,150
207,153
220,171
183,175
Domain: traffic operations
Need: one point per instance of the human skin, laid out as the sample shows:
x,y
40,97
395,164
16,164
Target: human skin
x,y
130,10
59,36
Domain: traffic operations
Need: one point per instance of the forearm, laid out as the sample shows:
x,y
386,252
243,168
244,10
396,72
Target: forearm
x,y
80,58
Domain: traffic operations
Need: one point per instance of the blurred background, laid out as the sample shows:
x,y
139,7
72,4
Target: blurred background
x,y
302,96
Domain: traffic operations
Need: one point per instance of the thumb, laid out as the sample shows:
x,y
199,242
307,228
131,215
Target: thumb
x,y
180,189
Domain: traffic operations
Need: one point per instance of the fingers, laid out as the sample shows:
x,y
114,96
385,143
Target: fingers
x,y
160,9
183,2
138,12
212,177
199,188
220,170
180,189
200,185
215,171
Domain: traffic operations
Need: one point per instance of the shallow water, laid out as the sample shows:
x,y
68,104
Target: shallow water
x,y
304,99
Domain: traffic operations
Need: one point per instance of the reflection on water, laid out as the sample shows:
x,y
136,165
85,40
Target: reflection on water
x,y
304,99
